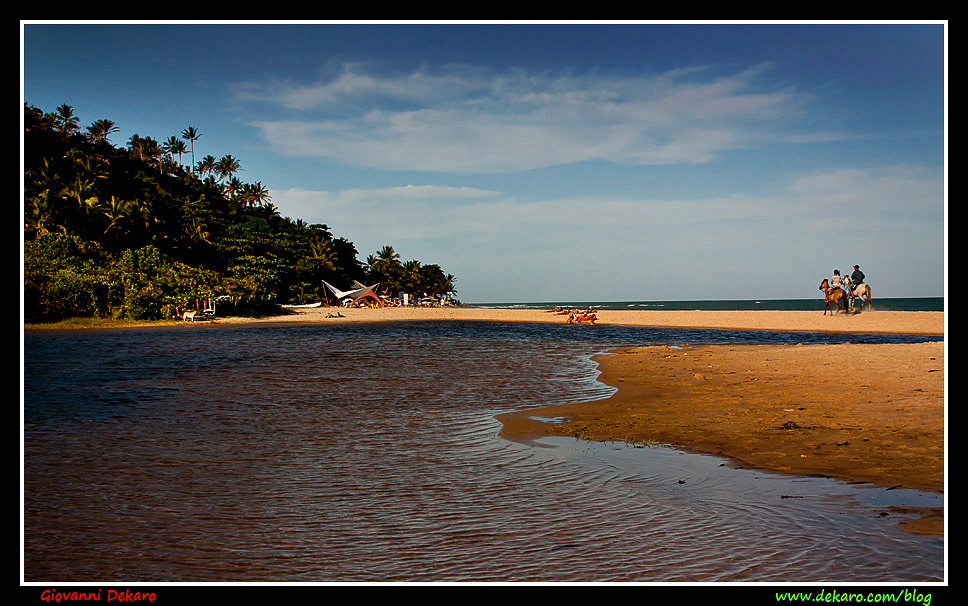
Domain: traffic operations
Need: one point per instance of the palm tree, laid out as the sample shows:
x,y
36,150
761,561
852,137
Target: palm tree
x,y
82,192
65,121
226,166
191,135
323,230
173,145
40,213
234,187
145,148
143,209
321,250
387,268
255,194
116,210
206,165
410,279
434,281
100,129
447,285
196,230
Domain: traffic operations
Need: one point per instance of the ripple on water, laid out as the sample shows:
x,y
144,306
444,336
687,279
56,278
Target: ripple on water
x,y
370,452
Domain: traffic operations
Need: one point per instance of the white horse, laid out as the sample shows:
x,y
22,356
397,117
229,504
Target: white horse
x,y
863,292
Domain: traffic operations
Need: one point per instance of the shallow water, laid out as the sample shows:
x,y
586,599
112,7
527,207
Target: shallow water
x,y
369,452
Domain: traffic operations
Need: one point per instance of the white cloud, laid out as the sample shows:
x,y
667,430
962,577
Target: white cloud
x,y
464,119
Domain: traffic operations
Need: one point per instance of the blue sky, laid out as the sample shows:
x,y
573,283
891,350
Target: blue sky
x,y
558,162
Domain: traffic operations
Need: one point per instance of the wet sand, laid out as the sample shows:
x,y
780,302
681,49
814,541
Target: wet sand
x,y
854,412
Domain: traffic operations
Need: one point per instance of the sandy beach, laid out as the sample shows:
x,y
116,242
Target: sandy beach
x,y
920,322
855,412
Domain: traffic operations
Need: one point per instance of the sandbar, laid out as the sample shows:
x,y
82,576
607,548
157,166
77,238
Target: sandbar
x,y
919,322
864,413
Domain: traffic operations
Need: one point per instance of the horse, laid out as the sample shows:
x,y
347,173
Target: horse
x,y
863,292
833,295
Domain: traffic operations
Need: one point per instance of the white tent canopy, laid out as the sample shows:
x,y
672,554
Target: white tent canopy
x,y
356,292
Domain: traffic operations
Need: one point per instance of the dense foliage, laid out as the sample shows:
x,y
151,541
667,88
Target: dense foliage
x,y
133,233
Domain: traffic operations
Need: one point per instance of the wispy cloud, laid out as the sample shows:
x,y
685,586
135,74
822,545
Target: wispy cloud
x,y
467,119
829,205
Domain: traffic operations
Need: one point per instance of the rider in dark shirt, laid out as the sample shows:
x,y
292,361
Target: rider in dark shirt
x,y
856,279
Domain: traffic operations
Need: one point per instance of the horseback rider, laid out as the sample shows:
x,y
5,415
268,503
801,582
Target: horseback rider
x,y
836,281
856,279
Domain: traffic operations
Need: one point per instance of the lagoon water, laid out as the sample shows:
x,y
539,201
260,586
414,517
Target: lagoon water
x,y
369,452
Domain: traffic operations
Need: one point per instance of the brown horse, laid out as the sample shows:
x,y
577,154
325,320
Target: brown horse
x,y
833,295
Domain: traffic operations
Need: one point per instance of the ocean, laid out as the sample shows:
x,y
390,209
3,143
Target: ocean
x,y
886,304
369,452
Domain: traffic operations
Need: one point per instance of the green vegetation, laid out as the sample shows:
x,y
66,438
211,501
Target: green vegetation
x,y
131,233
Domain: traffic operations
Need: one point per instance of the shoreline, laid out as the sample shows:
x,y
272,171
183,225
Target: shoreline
x,y
781,408
896,322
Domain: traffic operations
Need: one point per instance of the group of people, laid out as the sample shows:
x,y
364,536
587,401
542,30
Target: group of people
x,y
576,316
850,285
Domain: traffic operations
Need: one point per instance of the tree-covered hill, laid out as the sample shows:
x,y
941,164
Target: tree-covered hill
x,y
132,232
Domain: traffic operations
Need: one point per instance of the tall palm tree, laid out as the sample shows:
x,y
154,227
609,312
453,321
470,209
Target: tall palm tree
x,y
191,135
